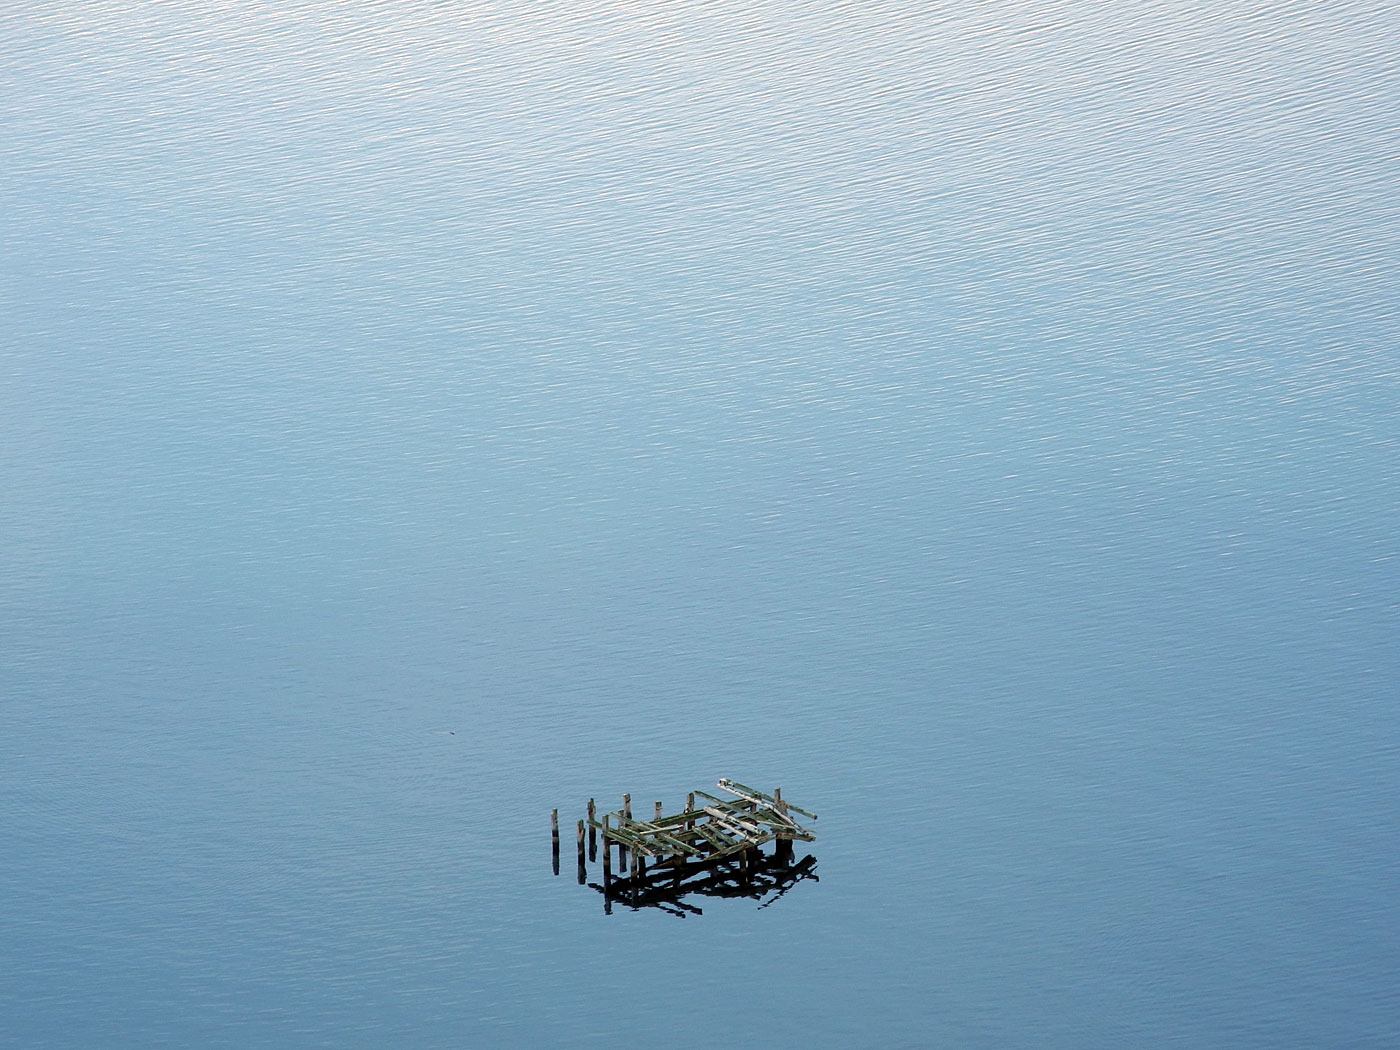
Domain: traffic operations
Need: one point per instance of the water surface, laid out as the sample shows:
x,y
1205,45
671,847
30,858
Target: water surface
x,y
981,423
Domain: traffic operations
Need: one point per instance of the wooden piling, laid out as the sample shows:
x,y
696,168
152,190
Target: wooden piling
x,y
622,850
607,853
690,808
658,811
554,836
592,832
582,867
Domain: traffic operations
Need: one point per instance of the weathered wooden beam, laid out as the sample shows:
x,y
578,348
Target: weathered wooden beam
x,y
656,835
649,834
740,847
711,834
746,826
754,795
634,843
766,815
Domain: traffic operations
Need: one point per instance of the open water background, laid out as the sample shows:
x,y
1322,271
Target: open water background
x,y
980,420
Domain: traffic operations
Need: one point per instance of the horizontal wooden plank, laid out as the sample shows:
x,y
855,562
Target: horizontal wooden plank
x,y
760,797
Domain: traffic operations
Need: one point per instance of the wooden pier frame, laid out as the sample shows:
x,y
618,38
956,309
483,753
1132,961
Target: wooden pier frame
x,y
714,842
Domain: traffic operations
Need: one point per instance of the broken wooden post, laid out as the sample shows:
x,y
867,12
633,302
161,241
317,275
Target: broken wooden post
x,y
592,832
607,853
782,849
690,808
583,868
554,825
658,811
622,850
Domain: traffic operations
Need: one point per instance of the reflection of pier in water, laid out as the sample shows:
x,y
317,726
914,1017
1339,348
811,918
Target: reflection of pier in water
x,y
713,849
764,879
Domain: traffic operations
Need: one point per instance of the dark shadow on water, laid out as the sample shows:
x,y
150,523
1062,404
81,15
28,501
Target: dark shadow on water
x,y
673,887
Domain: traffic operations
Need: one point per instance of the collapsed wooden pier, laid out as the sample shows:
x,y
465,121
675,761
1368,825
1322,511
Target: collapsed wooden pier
x,y
713,846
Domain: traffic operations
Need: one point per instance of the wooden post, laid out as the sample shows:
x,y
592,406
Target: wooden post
x,y
658,811
607,854
582,867
592,831
622,850
690,808
782,849
554,823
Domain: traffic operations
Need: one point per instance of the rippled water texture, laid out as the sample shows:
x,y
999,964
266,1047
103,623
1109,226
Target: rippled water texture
x,y
979,420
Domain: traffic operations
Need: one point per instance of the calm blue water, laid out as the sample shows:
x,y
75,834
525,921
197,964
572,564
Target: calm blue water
x,y
981,421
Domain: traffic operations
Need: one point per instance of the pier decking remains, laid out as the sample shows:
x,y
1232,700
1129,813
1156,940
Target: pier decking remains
x,y
709,833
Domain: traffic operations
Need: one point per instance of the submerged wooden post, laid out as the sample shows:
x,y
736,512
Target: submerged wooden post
x,y
554,824
607,854
622,850
582,867
782,851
